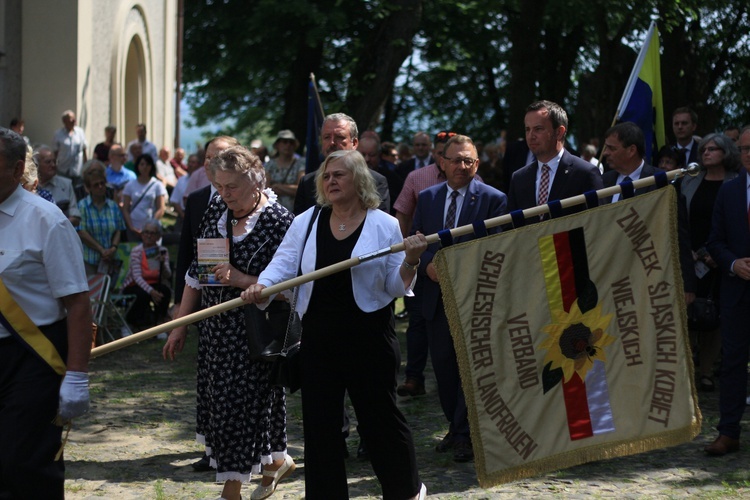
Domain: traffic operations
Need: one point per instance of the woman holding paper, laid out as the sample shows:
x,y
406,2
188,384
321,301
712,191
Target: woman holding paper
x,y
241,418
348,340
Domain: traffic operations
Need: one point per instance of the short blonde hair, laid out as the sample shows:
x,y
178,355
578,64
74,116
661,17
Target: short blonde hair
x,y
30,170
364,183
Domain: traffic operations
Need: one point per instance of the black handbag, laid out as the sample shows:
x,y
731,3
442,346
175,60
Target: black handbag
x,y
266,327
286,370
703,314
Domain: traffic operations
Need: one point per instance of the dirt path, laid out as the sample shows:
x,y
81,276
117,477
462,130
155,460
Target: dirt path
x,y
138,442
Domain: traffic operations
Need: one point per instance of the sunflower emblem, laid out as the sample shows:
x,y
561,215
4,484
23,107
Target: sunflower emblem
x,y
575,340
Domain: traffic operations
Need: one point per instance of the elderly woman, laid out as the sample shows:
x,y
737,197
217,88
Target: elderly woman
x,y
719,159
143,198
101,221
285,170
348,341
241,418
30,178
147,278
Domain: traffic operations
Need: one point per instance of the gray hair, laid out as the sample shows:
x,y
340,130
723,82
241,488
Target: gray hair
x,y
363,180
341,117
153,223
13,146
239,159
731,159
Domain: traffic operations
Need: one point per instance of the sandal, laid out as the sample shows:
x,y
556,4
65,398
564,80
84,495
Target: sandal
x,y
706,384
282,472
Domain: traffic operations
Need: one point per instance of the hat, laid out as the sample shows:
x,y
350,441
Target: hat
x,y
285,134
256,143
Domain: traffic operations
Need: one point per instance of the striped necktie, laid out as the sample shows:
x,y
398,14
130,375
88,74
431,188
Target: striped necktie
x,y
450,217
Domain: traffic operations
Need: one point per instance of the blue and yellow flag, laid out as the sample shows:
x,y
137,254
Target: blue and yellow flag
x,y
641,102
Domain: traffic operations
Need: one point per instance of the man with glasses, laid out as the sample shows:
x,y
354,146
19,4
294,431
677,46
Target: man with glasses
x,y
458,201
117,175
556,174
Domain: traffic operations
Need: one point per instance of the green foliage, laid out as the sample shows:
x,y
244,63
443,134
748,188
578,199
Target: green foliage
x,y
474,65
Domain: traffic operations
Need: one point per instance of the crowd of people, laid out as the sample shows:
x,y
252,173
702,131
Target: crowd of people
x,y
269,221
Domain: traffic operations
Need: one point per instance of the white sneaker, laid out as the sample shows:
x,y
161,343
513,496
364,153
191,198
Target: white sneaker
x,y
747,401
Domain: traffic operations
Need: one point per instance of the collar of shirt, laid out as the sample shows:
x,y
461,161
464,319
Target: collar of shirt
x,y
10,204
634,175
553,163
689,147
459,201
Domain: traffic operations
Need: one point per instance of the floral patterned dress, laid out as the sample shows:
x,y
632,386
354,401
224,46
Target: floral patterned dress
x,y
241,418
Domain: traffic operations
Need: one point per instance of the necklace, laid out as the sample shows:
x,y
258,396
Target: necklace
x,y
235,220
342,226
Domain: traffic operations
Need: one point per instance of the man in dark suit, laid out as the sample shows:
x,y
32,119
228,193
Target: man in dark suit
x,y
422,147
684,124
369,146
517,156
459,201
556,174
195,207
729,246
624,150
338,132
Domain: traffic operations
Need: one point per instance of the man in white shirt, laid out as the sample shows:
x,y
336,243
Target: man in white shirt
x,y
45,301
147,147
69,147
59,187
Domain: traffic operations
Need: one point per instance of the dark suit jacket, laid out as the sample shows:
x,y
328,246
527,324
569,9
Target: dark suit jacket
x,y
574,176
482,202
730,237
693,157
403,169
195,207
515,158
305,197
609,179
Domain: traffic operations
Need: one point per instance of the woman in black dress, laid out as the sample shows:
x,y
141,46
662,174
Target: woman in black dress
x,y
720,161
241,418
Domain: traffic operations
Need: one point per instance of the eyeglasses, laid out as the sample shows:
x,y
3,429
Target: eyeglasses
x,y
744,149
710,149
444,136
468,162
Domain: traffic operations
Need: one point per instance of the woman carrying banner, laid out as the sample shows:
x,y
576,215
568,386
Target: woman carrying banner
x,y
241,418
720,162
349,342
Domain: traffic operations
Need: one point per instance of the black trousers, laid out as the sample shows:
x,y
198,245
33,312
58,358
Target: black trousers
x,y
357,357
140,313
445,365
29,393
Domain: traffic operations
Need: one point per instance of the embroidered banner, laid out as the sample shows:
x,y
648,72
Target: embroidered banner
x,y
571,338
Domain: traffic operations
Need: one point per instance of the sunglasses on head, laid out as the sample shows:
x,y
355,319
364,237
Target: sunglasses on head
x,y
444,136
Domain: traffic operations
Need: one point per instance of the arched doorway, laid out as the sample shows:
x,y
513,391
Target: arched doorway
x,y
135,88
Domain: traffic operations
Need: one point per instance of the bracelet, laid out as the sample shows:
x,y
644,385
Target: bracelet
x,y
411,267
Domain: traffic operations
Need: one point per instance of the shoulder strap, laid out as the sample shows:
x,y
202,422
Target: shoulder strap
x,y
18,323
145,192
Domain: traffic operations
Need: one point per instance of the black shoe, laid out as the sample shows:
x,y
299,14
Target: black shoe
x,y
403,315
272,350
706,384
446,444
463,452
362,451
202,465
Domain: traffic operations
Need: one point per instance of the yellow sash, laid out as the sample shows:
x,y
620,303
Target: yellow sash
x,y
21,326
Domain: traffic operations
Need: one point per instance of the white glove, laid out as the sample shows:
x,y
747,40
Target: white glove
x,y
74,395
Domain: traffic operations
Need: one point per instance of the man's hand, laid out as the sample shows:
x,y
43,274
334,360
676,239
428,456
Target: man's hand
x,y
432,272
74,395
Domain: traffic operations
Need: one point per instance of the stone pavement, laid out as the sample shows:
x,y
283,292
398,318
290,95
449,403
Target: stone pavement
x,y
138,443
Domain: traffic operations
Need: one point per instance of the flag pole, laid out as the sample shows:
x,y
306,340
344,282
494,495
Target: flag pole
x,y
317,94
354,261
